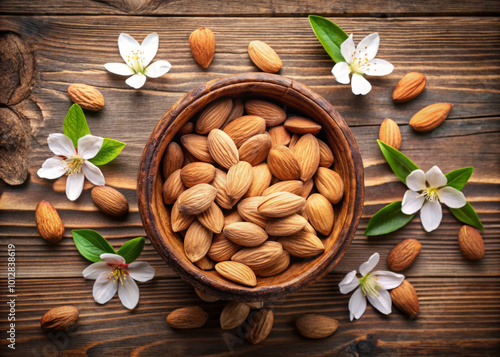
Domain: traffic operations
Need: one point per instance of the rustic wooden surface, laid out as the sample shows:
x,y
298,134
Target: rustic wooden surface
x,y
455,44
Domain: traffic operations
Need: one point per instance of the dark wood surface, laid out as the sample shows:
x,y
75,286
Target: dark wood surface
x,y
455,44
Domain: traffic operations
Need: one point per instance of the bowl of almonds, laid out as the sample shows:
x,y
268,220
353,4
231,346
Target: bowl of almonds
x,y
251,187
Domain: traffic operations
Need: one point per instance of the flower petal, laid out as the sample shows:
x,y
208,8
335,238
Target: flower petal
x,y
60,144
341,72
93,173
127,44
74,186
416,180
431,215
360,85
129,293
157,69
89,146
141,271
412,202
357,304
368,47
347,49
377,67
94,270
451,197
52,168
382,303
136,81
149,47
104,289
119,68
435,177
388,279
113,258
368,266
349,283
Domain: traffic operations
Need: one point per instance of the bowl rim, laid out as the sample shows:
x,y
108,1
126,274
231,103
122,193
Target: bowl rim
x,y
149,167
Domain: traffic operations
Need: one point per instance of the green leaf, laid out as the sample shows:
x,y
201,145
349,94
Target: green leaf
x,y
132,249
399,163
468,215
109,150
75,125
330,35
91,244
458,178
387,220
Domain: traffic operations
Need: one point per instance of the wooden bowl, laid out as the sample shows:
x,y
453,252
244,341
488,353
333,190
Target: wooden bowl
x,y
348,165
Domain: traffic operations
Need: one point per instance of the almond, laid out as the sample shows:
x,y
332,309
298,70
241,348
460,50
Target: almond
x,y
247,209
406,299
86,96
187,317
212,218
316,326
264,57
237,272
220,183
309,229
329,184
292,186
109,200
307,188
173,187
389,133
236,112
48,222
255,305
239,179
411,85
245,233
187,128
214,115
202,43
260,326
301,125
233,315
62,318
259,257
197,145
197,241
178,220
243,128
320,213
302,244
205,296
281,204
325,154
255,149
197,172
283,163
285,226
222,249
430,117
403,254
272,114
172,160
222,148
471,243
279,135
306,151
293,141
189,158
232,217
196,199
260,181
279,265
205,263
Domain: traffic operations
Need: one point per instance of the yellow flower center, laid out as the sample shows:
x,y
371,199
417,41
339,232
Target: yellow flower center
x,y
430,193
135,60
369,285
119,273
74,165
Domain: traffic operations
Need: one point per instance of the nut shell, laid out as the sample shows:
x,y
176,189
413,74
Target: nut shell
x,y
316,326
471,243
62,318
403,254
187,317
109,200
48,222
264,57
86,96
410,86
406,299
430,117
202,43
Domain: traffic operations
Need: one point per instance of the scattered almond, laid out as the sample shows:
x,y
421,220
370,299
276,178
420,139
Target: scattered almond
x,y
471,243
196,199
109,200
48,222
187,317
222,148
320,213
62,318
430,117
233,314
389,133
272,114
406,299
260,326
202,43
316,326
329,184
87,97
245,233
255,149
403,254
264,57
283,163
410,86
301,125
237,272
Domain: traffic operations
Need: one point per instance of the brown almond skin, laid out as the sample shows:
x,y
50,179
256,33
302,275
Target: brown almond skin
x,y
403,254
260,326
410,86
316,326
87,97
48,222
406,299
326,158
222,249
172,187
272,113
62,318
279,135
205,296
197,172
430,117
233,314
302,125
255,150
264,57
281,263
243,128
172,160
214,115
390,134
187,317
202,43
283,163
205,263
471,243
109,200
329,184
237,272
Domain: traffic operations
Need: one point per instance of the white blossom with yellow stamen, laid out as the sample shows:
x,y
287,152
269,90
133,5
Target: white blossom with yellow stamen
x,y
113,274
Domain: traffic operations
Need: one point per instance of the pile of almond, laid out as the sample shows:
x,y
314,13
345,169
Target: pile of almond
x,y
247,192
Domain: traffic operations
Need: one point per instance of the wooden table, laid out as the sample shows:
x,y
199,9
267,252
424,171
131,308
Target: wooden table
x,y
455,44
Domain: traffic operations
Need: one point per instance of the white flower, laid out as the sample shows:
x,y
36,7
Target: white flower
x,y
426,191
114,274
73,162
373,286
138,57
360,61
